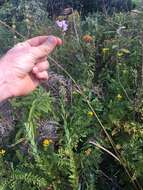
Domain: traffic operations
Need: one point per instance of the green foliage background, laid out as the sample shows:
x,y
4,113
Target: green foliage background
x,y
100,141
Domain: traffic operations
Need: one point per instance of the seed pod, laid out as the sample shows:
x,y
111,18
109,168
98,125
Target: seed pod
x,y
59,87
47,130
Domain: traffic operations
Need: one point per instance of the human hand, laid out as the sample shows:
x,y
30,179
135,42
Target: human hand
x,y
25,65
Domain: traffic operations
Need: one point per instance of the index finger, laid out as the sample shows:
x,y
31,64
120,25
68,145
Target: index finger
x,y
39,40
46,47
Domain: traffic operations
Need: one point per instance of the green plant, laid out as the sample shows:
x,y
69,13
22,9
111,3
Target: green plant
x,y
99,135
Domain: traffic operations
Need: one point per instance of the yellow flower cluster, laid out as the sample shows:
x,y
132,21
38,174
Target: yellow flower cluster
x,y
90,114
122,52
119,97
47,142
105,50
2,152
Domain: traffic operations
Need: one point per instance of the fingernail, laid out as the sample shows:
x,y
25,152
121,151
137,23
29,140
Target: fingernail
x,y
51,39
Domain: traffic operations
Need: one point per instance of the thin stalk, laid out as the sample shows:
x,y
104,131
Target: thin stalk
x,y
104,149
75,28
12,29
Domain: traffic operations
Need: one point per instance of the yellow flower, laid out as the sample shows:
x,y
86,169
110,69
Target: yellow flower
x,y
88,151
120,54
47,142
87,38
119,97
74,92
90,114
2,152
104,50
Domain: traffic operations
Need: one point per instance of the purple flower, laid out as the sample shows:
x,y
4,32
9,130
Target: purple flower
x,y
62,24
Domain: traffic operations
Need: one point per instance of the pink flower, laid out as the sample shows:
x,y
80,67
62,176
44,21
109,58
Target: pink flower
x,y
62,24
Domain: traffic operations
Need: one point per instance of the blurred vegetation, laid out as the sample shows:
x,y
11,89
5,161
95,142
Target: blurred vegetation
x,y
99,132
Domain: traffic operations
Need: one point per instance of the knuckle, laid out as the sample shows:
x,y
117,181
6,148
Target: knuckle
x,y
46,50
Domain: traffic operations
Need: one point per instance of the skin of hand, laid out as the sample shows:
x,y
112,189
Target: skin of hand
x,y
24,66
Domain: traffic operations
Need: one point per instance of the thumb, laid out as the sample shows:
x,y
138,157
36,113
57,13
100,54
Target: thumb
x,y
46,47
